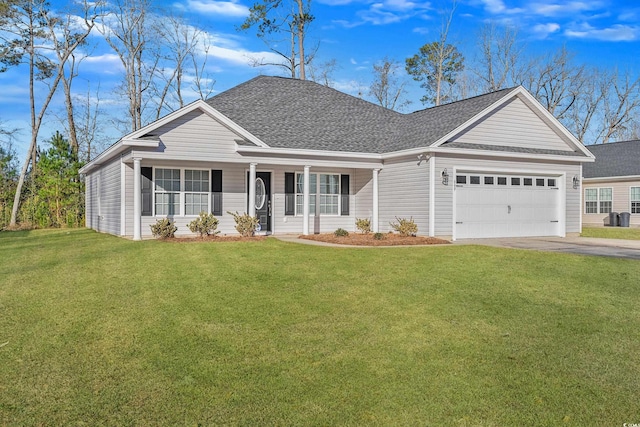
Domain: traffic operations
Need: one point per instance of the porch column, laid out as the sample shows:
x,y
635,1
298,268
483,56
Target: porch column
x,y
432,196
305,202
374,210
137,200
252,189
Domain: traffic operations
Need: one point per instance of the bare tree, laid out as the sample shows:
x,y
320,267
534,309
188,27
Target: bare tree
x,y
387,87
202,82
500,57
126,29
322,72
620,105
580,118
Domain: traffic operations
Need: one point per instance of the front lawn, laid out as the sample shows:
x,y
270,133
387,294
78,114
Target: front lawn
x,y
97,330
626,233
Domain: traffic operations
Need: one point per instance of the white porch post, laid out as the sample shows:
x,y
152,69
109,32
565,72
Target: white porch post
x,y
137,200
432,196
305,202
252,189
374,212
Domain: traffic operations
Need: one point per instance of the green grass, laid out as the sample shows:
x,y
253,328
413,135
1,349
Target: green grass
x,y
97,330
626,233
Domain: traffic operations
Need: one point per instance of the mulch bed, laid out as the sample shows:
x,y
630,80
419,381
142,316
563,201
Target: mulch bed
x,y
217,238
389,239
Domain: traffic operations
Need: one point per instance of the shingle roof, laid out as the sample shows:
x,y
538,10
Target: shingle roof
x,y
614,159
290,113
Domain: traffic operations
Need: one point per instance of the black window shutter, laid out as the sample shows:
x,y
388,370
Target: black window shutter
x,y
289,193
216,192
147,190
344,194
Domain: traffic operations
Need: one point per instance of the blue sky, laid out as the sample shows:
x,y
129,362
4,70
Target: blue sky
x,y
356,34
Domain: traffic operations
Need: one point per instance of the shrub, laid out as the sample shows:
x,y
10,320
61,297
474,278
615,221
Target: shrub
x,y
341,232
406,227
378,236
205,225
163,228
363,225
245,224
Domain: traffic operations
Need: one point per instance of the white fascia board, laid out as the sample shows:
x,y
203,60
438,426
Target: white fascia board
x,y
307,153
612,178
141,143
511,154
107,154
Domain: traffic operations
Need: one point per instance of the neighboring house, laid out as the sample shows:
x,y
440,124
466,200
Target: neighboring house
x,y
306,158
612,183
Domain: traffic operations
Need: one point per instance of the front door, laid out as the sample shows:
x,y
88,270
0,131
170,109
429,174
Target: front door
x,y
263,199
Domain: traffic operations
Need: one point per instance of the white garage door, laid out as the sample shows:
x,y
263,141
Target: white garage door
x,y
506,206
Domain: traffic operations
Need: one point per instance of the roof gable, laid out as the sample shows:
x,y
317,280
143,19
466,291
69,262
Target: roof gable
x,y
614,159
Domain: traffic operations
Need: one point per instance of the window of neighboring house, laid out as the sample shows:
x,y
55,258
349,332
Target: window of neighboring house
x,y
591,200
196,187
635,199
606,200
324,191
167,191
598,200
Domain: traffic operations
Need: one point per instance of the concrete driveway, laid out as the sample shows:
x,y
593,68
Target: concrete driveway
x,y
629,249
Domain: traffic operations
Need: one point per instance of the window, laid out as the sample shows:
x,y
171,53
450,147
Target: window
x,y
539,182
606,200
635,200
528,182
502,180
488,180
515,181
329,194
551,182
473,179
598,200
196,187
461,179
591,200
167,189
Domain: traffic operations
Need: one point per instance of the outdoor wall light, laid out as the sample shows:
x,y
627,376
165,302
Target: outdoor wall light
x,y
576,182
445,177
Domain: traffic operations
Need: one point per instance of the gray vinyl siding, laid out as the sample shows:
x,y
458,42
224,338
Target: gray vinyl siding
x,y
103,198
621,202
514,125
403,189
444,194
362,185
197,136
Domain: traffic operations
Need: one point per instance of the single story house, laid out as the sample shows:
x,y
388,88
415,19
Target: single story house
x,y
305,158
612,183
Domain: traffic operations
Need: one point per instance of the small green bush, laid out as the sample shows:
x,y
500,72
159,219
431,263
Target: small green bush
x,y
378,236
205,225
363,225
406,227
164,229
341,232
245,224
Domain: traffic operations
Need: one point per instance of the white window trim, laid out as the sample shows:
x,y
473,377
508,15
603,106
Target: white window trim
x,y
182,192
631,200
317,193
598,200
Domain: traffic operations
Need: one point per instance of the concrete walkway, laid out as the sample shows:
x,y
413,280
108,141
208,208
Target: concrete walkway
x,y
629,249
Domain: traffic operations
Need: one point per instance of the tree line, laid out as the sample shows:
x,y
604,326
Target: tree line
x,y
165,66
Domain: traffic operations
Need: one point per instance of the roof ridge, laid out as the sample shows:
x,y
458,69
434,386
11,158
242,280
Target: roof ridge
x,y
505,90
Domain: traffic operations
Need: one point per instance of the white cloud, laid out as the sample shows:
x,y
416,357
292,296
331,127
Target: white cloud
x,y
224,8
543,30
565,8
615,33
498,7
421,30
353,61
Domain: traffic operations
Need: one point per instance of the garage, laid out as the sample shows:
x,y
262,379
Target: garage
x,y
506,205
